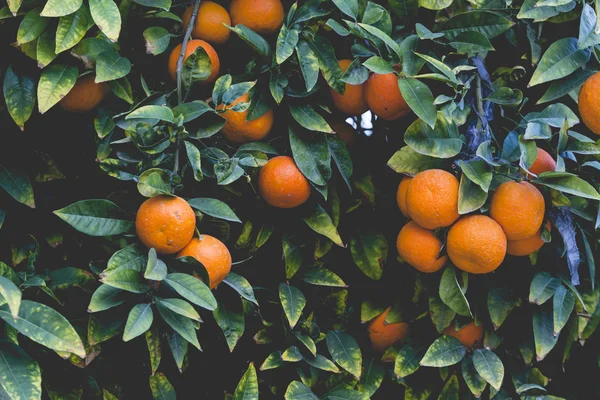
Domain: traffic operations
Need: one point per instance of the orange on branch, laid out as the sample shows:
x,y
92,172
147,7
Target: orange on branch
x,y
262,16
470,335
212,254
238,130
519,209
543,163
432,199
85,95
589,103
209,22
384,335
383,97
527,246
189,50
281,184
420,248
352,102
344,130
401,195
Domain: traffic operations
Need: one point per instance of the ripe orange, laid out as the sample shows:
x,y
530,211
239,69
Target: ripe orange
x,y
432,199
384,335
209,22
420,248
189,50
527,246
589,103
384,98
238,130
476,244
85,95
343,129
352,102
401,194
262,16
543,163
281,184
469,335
213,254
519,209
165,223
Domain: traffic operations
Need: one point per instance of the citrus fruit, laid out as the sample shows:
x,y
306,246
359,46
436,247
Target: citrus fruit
x,y
344,130
476,244
401,194
281,184
383,97
432,199
238,130
262,16
543,163
189,50
165,223
589,103
384,335
420,248
352,102
470,335
209,22
527,246
212,254
85,95
519,209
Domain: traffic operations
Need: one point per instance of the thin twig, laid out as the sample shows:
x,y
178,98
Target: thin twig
x,y
186,39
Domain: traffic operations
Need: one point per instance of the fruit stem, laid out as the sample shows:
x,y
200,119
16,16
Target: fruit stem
x,y
186,38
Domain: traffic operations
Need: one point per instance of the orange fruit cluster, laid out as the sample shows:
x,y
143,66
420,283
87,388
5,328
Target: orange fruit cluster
x,y
589,106
167,224
383,335
85,95
281,184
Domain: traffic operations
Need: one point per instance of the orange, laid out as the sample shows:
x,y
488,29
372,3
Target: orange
x,y
165,223
384,335
476,244
85,95
281,184
519,209
420,248
527,246
209,22
384,98
469,335
432,199
262,16
344,130
589,103
543,163
401,194
212,254
189,50
238,130
352,102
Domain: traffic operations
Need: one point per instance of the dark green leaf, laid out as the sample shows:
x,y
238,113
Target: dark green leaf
x,y
445,351
293,302
95,217
214,208
138,322
19,95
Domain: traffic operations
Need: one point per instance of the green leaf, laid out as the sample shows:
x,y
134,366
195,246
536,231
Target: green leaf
x,y
71,29
309,64
562,58
10,294
328,62
192,289
543,333
408,161
445,351
372,377
435,4
55,83
587,28
291,354
322,363
442,141
554,115
440,66
345,394
489,366
111,66
17,185
395,47
31,27
471,43
500,303
180,307
420,99
345,352
19,95
407,361
45,326
488,23
196,68
122,89
221,85
240,285
89,49
106,297
340,154
130,257
95,217
107,17
237,90
162,4
348,7
471,197
286,41
247,388
473,380
252,39
179,348
568,183
159,384
320,222
563,86
154,182
231,323
355,74
307,117
161,113
156,269
59,8
542,287
452,294
194,158
299,391
312,157
192,110
21,377
563,305
273,361
378,65
138,322
154,351
293,302
450,390
180,324
323,277
126,279
307,342
214,208
369,252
